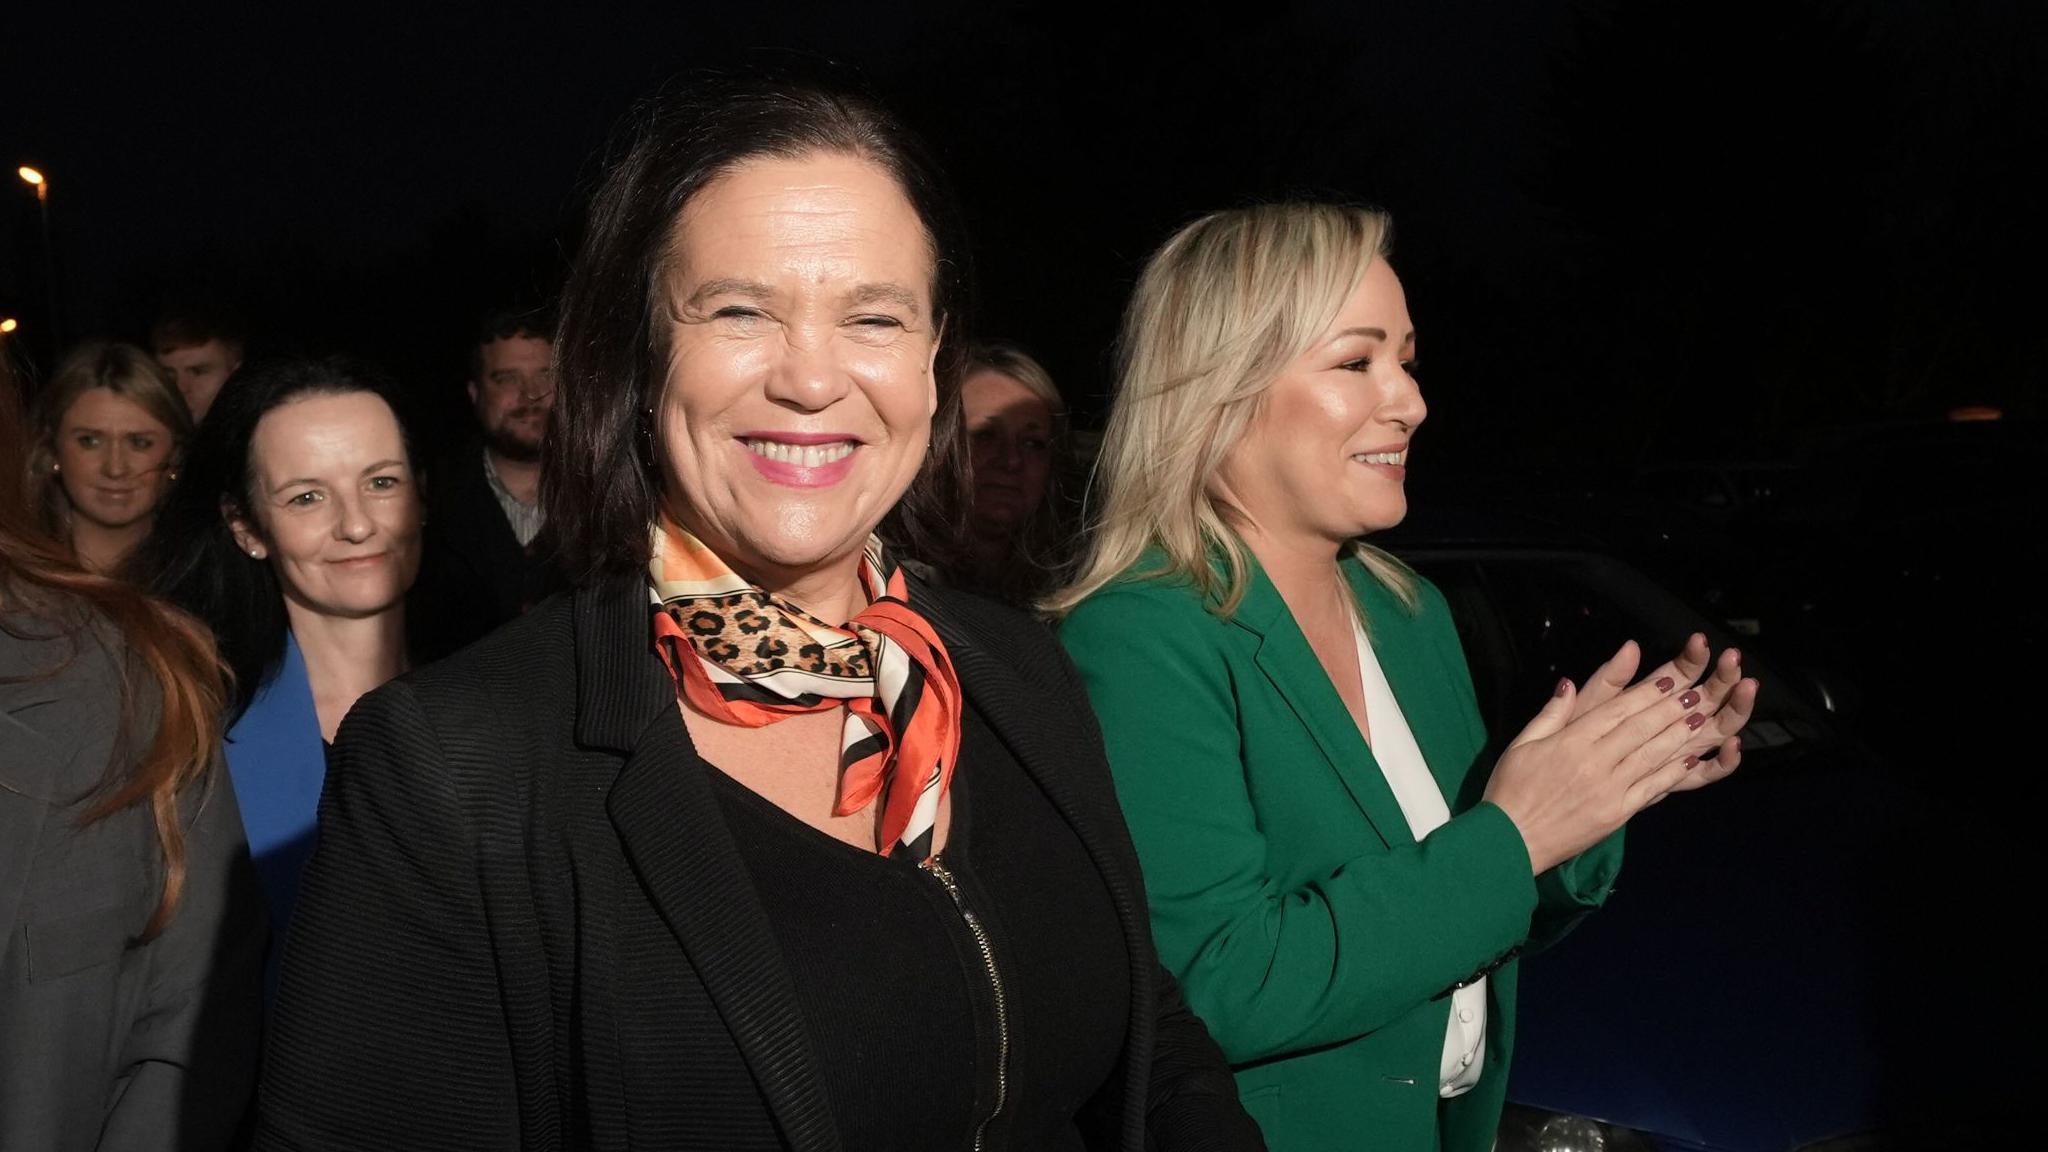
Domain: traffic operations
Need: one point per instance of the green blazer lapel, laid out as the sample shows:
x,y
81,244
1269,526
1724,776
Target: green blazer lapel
x,y
1407,654
1291,665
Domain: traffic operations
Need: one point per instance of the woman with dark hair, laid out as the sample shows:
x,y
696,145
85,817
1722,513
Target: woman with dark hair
x,y
131,929
1017,442
108,431
753,840
294,533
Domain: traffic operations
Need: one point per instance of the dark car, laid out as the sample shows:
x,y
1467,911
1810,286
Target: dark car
x,y
1812,954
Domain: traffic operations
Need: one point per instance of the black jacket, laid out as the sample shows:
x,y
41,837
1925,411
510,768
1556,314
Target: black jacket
x,y
526,913
474,576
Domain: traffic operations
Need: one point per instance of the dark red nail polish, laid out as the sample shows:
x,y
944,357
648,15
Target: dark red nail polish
x,y
1695,720
1666,684
1690,698
1692,762
1563,686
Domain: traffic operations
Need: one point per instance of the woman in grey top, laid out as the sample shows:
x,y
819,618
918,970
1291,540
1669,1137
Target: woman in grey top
x,y
131,929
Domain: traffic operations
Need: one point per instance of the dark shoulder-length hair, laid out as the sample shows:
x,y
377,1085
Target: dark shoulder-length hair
x,y
191,557
601,483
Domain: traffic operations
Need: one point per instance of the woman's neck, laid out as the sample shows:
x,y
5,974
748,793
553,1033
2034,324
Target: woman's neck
x,y
346,656
104,549
830,591
833,593
1303,570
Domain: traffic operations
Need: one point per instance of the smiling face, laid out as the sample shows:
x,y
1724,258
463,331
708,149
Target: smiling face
x,y
800,390
112,456
1327,454
1009,431
332,504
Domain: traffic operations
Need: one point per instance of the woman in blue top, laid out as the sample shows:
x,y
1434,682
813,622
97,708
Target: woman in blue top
x,y
294,532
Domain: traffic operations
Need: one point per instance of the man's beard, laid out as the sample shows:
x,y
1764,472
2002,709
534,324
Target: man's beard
x,y
503,441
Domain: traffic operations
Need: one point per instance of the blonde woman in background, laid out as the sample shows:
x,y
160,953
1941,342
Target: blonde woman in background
x,y
1017,444
107,436
1338,878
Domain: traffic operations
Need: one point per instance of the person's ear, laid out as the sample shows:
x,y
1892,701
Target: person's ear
x,y
245,534
931,373
472,393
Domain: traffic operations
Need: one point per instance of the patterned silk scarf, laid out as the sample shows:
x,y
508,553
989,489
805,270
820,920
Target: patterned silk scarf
x,y
741,656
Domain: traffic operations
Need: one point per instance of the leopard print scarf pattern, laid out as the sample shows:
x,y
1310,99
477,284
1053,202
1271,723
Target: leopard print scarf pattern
x,y
741,656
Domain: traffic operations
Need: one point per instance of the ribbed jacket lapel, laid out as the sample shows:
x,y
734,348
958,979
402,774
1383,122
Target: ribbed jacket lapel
x,y
676,839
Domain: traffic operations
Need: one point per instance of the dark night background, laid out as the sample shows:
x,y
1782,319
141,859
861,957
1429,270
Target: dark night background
x,y
1628,229
1633,234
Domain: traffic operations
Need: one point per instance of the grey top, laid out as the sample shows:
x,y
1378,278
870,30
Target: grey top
x,y
108,1042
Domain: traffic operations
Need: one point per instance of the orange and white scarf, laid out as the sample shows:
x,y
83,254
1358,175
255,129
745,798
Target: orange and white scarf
x,y
741,656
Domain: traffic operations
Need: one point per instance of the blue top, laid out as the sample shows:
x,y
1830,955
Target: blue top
x,y
279,764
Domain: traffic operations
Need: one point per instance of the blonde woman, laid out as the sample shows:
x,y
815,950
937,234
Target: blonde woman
x,y
1016,437
108,432
1338,880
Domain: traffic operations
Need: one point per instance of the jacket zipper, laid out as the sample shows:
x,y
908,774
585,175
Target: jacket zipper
x,y
938,869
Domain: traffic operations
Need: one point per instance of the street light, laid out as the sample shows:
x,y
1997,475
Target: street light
x,y
41,183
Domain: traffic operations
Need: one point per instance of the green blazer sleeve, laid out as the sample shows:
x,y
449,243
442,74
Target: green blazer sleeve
x,y
1274,963
1564,894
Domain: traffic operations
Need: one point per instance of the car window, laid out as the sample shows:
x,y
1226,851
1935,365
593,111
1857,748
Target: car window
x,y
1489,651
1527,619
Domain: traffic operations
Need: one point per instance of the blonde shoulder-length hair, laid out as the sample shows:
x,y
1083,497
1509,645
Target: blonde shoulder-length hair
x,y
127,372
1219,311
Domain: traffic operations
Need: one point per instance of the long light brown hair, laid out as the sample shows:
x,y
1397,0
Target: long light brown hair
x,y
38,573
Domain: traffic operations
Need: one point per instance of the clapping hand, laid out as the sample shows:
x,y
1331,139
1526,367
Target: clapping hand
x,y
1594,757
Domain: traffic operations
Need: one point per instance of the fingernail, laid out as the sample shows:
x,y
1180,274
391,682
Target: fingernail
x,y
1563,686
1692,762
1690,698
1738,744
1695,720
1737,653
1666,683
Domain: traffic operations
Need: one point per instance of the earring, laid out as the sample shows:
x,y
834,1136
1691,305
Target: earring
x,y
255,553
171,474
647,453
57,466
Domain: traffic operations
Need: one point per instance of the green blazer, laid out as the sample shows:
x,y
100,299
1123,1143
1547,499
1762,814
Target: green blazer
x,y
1310,930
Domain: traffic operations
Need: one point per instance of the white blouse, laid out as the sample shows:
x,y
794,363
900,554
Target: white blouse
x,y
1423,804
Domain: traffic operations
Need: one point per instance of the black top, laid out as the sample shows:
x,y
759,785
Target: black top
x,y
528,925
894,989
